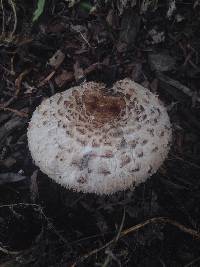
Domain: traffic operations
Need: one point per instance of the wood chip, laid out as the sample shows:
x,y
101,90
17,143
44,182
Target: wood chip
x,y
57,59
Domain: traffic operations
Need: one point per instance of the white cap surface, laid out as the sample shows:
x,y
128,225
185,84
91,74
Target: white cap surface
x,y
93,139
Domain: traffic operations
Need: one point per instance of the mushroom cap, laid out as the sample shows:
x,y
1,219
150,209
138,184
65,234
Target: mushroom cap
x,y
93,139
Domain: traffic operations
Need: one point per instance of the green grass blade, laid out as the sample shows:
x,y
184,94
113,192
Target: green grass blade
x,y
39,10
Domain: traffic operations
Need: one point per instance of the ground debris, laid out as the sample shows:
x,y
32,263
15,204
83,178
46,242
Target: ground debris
x,y
129,28
10,177
57,59
148,41
64,77
161,62
8,162
176,84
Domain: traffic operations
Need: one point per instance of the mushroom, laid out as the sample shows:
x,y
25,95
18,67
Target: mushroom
x,y
95,139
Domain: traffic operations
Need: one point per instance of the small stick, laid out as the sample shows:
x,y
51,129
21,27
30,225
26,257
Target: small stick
x,y
192,262
12,4
3,19
5,251
186,90
19,113
18,82
47,79
137,227
19,79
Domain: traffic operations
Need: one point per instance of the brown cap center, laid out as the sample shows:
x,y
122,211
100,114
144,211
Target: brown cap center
x,y
103,107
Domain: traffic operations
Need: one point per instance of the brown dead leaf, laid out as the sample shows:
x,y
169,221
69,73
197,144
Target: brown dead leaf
x,y
64,77
92,68
161,61
68,76
8,162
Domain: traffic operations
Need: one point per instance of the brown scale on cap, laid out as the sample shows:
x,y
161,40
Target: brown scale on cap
x,y
140,154
81,141
66,103
60,113
133,143
144,142
107,154
104,171
162,133
82,179
59,100
136,168
124,161
82,163
155,149
151,131
117,133
44,113
122,144
95,143
104,108
81,130
108,143
150,169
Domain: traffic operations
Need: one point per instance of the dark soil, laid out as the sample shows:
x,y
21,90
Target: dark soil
x,y
42,224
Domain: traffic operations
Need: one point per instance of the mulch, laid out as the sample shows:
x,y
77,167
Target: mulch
x,y
158,46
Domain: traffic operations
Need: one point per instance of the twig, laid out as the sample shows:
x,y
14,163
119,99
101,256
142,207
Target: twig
x,y
8,252
185,161
5,69
188,56
192,262
3,19
84,38
162,220
19,79
20,204
19,113
69,75
186,90
18,82
12,4
12,72
121,227
41,212
137,227
47,79
107,260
